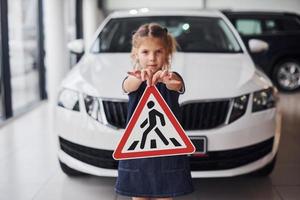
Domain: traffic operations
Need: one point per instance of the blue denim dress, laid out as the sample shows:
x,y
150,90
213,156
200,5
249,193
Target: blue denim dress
x,y
167,176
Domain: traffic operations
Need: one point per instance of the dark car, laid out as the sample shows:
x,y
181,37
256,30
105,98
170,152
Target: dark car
x,y
281,30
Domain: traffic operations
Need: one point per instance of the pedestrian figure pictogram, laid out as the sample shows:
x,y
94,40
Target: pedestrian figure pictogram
x,y
153,131
152,123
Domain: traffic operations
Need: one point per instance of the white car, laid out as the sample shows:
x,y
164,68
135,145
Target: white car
x,y
229,107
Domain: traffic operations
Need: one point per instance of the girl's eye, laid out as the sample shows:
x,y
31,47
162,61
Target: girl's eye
x,y
159,51
144,52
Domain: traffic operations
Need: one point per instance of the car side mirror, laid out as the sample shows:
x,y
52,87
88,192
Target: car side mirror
x,y
257,46
76,46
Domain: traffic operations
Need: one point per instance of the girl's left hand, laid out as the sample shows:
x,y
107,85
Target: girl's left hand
x,y
144,74
165,77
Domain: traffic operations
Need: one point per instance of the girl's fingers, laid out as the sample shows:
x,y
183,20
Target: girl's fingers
x,y
138,74
170,79
135,73
149,73
155,78
170,75
166,76
166,80
175,82
149,77
149,82
163,74
146,75
143,75
131,73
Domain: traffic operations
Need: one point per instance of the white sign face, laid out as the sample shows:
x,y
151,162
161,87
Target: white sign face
x,y
153,131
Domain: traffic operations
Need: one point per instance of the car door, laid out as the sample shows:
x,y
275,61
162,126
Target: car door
x,y
264,28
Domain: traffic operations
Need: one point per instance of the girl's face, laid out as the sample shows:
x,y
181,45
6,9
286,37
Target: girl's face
x,y
151,54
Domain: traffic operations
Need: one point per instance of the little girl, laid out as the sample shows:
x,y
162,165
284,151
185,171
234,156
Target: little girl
x,y
159,178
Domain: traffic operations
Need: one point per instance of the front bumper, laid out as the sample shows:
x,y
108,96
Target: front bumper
x,y
216,164
221,164
215,160
239,148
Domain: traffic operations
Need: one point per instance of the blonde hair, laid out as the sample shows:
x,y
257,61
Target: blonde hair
x,y
156,31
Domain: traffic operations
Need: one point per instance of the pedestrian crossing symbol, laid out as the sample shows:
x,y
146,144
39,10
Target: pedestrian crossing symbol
x,y
153,131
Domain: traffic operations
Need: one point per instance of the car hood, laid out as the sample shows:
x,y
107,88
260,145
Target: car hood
x,y
206,75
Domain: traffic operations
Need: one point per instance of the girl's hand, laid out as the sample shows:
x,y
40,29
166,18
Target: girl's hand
x,y
144,74
147,75
159,76
165,77
136,74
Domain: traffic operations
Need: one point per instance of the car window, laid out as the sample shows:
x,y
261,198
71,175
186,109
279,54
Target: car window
x,y
271,26
290,24
249,26
193,34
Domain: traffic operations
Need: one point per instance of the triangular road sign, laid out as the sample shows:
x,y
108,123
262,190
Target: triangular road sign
x,y
153,131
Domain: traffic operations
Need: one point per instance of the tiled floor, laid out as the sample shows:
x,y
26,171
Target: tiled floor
x,y
29,168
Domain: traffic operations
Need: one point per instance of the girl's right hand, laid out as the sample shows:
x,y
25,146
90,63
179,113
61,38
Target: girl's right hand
x,y
144,74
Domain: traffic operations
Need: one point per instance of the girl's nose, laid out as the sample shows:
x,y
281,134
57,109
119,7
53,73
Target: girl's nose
x,y
152,56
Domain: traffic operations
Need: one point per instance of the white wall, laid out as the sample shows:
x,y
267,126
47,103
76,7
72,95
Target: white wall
x,y
129,4
265,5
279,5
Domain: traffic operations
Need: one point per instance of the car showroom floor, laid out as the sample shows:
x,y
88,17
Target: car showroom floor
x,y
29,168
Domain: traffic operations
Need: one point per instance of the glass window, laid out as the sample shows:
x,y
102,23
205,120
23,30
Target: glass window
x,y
23,46
290,24
271,26
193,34
249,26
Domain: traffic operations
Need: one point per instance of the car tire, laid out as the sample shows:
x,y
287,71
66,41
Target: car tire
x,y
70,171
286,70
266,170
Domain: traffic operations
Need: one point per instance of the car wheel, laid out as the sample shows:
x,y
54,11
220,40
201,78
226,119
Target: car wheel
x,y
69,171
266,170
287,75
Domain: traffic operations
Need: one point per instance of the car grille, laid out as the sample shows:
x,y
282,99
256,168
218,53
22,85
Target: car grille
x,y
116,113
215,160
195,116
204,115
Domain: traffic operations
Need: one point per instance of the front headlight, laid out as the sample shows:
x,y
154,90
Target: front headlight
x,y
263,99
68,99
239,107
93,108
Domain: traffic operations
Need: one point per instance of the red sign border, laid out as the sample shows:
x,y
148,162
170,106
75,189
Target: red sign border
x,y
189,149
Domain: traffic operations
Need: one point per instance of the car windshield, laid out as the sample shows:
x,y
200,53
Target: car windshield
x,y
193,34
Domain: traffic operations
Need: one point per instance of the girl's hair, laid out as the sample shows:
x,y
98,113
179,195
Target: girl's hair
x,y
156,31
